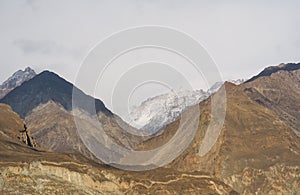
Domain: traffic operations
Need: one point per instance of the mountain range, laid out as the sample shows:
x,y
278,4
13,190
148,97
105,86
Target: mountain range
x,y
155,113
257,150
61,165
44,99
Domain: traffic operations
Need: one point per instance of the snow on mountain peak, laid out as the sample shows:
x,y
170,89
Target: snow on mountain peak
x,y
156,112
16,80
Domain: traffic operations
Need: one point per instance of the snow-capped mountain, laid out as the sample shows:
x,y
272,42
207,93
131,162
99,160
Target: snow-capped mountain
x,y
237,82
16,80
154,113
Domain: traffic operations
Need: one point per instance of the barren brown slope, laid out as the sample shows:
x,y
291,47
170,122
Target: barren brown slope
x,y
279,92
10,122
12,127
255,152
54,127
25,170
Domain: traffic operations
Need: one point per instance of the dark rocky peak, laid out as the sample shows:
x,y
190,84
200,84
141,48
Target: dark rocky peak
x,y
45,87
273,69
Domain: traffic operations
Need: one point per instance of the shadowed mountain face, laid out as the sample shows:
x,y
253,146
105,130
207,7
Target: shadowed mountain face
x,y
279,92
26,170
41,89
273,69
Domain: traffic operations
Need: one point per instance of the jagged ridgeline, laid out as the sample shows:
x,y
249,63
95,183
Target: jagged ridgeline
x,y
273,69
16,80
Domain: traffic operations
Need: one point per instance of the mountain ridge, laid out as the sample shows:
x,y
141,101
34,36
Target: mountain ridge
x,y
46,104
44,87
273,69
153,114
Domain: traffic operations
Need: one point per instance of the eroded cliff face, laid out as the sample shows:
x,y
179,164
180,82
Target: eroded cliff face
x,y
25,136
40,177
276,179
55,178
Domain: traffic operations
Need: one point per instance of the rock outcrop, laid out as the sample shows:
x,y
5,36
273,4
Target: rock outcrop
x,y
26,137
47,177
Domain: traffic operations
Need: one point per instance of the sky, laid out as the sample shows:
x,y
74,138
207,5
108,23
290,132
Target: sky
x,y
241,37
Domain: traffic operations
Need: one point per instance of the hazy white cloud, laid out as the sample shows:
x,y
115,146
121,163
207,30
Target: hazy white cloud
x,y
242,37
46,48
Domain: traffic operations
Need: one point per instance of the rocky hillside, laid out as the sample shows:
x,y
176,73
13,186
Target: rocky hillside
x,y
16,80
46,104
256,152
68,175
280,92
27,170
10,122
13,127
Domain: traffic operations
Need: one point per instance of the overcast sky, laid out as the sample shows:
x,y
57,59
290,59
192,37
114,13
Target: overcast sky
x,y
241,37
